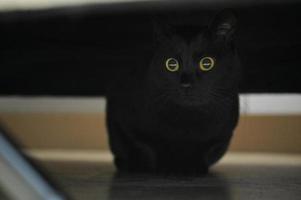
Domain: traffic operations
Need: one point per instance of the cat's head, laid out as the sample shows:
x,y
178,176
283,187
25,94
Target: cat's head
x,y
193,69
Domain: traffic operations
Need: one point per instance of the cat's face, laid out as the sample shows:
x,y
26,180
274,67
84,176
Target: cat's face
x,y
197,71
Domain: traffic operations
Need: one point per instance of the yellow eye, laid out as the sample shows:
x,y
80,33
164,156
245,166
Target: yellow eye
x,y
206,63
172,64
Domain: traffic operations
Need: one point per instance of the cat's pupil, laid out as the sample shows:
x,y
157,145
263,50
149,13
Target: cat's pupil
x,y
206,62
172,64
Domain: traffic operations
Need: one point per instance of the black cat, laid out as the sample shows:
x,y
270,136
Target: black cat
x,y
177,113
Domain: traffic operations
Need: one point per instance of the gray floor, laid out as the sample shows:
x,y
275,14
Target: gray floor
x,y
96,180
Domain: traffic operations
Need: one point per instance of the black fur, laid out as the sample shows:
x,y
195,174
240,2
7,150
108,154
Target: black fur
x,y
156,124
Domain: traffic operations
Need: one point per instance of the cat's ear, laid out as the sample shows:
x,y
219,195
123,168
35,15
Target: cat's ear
x,y
162,31
223,25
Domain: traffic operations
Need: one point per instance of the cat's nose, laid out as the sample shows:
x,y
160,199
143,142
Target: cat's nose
x,y
186,80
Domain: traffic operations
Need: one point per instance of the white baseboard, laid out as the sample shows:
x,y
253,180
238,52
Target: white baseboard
x,y
250,104
270,104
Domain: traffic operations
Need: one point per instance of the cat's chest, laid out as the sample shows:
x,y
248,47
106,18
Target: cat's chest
x,y
179,124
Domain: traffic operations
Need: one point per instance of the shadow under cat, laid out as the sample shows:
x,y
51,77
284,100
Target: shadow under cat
x,y
142,186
